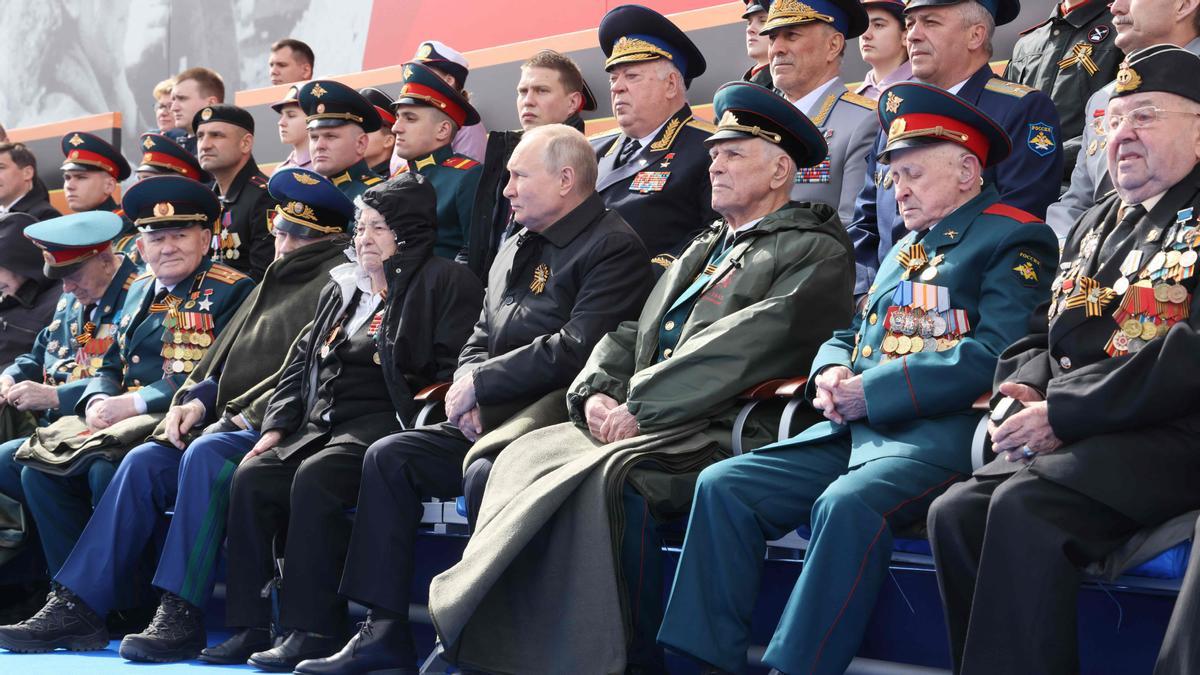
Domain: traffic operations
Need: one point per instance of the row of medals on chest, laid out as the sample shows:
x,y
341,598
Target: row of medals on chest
x,y
186,337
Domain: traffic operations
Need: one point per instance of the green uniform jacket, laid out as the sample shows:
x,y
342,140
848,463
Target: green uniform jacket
x,y
138,362
455,178
355,180
998,265
785,285
57,358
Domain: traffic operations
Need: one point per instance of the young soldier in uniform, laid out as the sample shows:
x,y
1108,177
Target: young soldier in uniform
x,y
91,172
339,120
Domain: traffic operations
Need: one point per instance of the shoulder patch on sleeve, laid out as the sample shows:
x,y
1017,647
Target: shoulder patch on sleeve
x,y
702,125
1028,268
1019,215
460,162
860,100
1001,86
664,260
225,274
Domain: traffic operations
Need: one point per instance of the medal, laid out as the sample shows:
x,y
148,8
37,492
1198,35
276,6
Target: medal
x,y
1120,286
1177,294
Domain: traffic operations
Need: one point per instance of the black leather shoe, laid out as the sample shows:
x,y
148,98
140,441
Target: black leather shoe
x,y
298,646
381,647
64,622
238,648
175,634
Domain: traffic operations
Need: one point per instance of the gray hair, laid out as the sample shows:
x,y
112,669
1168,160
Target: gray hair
x,y
973,13
566,146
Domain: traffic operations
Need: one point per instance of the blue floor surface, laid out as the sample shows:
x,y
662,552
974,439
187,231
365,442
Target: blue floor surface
x,y
106,662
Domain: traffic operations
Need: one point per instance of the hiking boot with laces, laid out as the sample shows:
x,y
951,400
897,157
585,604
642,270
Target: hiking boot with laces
x,y
175,634
381,647
65,622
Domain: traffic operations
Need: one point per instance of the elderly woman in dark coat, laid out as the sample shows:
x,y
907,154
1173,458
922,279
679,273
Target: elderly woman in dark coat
x,y
386,326
28,297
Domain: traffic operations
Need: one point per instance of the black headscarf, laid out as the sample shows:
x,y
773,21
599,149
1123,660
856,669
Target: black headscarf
x,y
408,203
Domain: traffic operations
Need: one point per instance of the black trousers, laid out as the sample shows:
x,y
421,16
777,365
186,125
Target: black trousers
x,y
1009,551
1180,653
399,472
474,482
304,500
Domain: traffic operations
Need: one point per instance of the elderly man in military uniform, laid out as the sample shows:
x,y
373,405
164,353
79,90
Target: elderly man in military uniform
x,y
756,45
92,171
1138,25
339,119
428,114
1094,417
225,147
653,166
1069,56
949,44
896,388
162,156
170,317
807,44
187,467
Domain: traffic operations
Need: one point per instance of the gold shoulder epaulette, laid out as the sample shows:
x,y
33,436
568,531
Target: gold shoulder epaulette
x,y
371,180
1007,88
225,274
860,100
702,125
144,275
133,276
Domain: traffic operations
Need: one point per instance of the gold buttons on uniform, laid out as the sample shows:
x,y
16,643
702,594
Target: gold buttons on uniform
x,y
866,351
137,383
1065,362
666,353
873,318
670,325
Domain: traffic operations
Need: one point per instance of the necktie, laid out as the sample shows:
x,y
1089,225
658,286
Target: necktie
x,y
628,147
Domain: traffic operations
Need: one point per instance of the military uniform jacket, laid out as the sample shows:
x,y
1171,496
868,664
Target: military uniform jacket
x,y
760,75
126,244
550,298
663,190
850,126
779,291
355,180
1029,179
143,362
454,177
1130,420
995,267
1090,181
1069,58
61,357
243,238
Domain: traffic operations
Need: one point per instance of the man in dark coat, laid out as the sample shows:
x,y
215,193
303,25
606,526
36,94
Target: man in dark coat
x,y
1095,410
27,296
569,276
20,190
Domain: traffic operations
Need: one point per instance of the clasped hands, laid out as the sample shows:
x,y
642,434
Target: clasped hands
x,y
1027,429
839,395
609,421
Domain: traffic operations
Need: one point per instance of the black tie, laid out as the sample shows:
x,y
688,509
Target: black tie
x,y
628,147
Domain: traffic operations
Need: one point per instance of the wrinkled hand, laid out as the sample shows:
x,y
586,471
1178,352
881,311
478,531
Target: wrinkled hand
x,y
180,419
30,395
1029,428
851,399
110,411
471,424
5,382
621,424
268,441
596,409
460,399
826,384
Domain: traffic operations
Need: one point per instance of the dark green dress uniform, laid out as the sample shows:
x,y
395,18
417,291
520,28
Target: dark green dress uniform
x,y
328,103
946,302
662,189
455,177
1069,57
1114,355
88,152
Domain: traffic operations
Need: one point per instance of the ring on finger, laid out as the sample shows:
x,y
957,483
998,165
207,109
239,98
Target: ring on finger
x,y
1025,450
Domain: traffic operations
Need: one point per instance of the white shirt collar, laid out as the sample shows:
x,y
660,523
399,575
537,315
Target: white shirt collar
x,y
1150,202
954,90
647,140
806,103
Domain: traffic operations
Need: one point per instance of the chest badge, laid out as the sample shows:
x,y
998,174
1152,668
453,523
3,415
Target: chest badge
x,y
541,274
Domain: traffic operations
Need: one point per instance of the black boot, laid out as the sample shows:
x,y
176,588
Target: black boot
x,y
381,647
238,647
298,646
175,634
64,621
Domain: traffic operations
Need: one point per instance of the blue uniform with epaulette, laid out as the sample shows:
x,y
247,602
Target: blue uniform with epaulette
x,y
161,335
946,302
329,103
1029,179
88,152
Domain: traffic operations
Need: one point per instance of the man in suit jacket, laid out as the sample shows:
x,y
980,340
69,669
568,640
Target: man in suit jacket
x,y
1105,444
896,388
807,44
20,190
653,166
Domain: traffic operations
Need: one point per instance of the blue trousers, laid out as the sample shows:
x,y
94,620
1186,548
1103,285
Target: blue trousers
x,y
152,478
10,471
743,502
61,505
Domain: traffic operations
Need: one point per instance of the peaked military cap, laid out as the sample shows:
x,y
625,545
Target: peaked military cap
x,y
68,241
383,105
445,58
632,34
422,86
292,97
88,152
308,205
329,103
894,7
168,202
847,16
224,112
1003,11
917,114
1162,68
746,110
755,6
161,155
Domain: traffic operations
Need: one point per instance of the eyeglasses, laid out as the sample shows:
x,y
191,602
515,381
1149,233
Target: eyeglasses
x,y
1140,118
